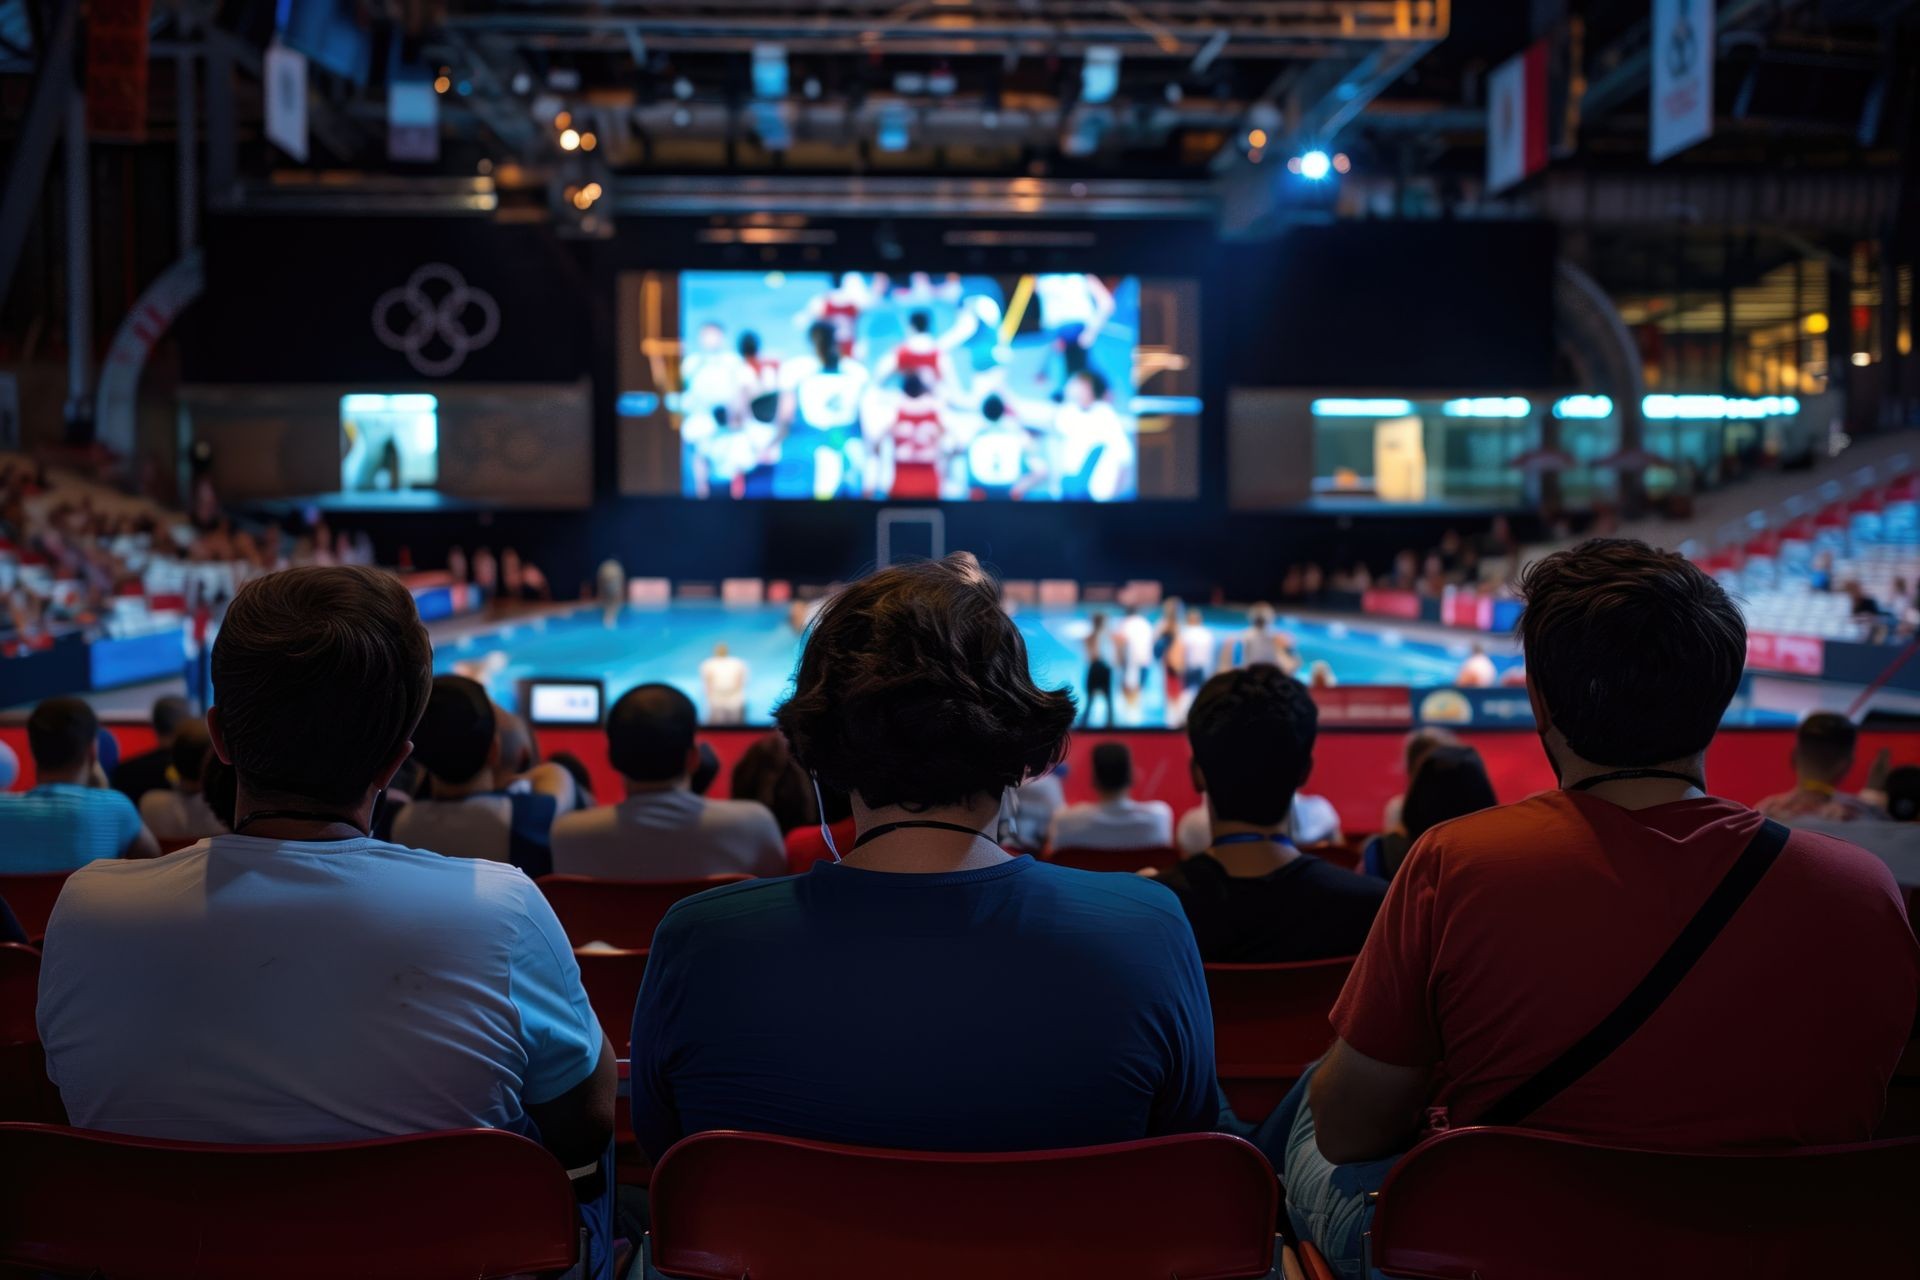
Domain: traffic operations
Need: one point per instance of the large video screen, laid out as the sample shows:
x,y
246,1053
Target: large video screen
x,y
855,385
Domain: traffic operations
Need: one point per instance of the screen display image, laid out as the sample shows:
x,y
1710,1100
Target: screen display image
x,y
909,387
563,701
389,443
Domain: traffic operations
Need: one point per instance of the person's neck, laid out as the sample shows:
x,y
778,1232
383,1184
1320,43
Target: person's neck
x,y
300,818
1113,797
1634,793
927,850
1251,859
1819,786
78,776
479,784
635,787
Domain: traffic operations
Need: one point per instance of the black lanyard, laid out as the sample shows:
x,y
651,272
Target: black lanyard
x,y
1250,837
1624,775
874,833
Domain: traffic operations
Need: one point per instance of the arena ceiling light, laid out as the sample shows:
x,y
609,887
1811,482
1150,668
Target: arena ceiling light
x,y
769,71
1314,166
1338,408
1100,74
1583,407
1710,408
1488,407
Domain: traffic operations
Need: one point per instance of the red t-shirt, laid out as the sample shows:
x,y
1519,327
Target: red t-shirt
x,y
1509,934
806,847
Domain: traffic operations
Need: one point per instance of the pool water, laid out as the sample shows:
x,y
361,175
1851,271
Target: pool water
x,y
667,643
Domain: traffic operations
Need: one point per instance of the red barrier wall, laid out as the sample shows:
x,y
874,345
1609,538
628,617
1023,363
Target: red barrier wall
x,y
1358,770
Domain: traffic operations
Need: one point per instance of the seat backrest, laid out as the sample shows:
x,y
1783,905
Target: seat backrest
x,y
1128,860
31,897
727,1205
612,980
1346,856
461,1205
19,992
1513,1202
620,913
1274,1013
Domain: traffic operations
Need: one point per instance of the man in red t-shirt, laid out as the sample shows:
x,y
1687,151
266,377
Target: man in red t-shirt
x,y
1508,935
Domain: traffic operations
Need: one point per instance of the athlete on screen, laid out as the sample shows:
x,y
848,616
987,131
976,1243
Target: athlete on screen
x,y
1074,308
841,308
1003,460
820,452
1093,446
916,443
918,354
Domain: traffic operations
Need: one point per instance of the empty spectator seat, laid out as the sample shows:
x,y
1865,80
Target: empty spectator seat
x,y
727,1205
620,913
1269,1024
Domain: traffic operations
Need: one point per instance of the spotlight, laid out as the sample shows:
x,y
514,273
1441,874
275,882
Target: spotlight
x,y
1315,166
1100,74
682,88
564,120
1256,138
682,117
441,83
1340,162
569,140
588,141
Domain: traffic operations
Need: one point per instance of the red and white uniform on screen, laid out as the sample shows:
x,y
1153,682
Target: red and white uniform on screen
x,y
918,447
920,354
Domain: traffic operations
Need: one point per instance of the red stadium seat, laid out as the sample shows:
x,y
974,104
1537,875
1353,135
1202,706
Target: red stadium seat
x,y
1116,859
621,913
19,992
1511,1202
1269,1023
25,1092
1347,856
727,1205
31,898
462,1205
612,979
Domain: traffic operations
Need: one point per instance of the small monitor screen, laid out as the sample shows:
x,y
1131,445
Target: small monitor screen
x,y
389,443
564,701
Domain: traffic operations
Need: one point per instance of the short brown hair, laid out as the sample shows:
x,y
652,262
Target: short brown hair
x,y
914,689
319,674
1635,652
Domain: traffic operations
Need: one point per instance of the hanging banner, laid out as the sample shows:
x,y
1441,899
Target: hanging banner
x,y
117,70
1682,44
1517,118
160,304
286,91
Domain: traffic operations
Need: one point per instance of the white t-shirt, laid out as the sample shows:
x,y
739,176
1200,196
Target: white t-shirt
x,y
1125,823
1065,298
499,826
1136,633
176,815
669,835
725,679
257,991
1313,820
1198,648
1081,431
826,398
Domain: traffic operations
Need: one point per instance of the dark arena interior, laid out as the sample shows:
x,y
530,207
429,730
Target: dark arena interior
x,y
1057,639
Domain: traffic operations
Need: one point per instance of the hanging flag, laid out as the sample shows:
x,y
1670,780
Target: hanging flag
x,y
1681,45
117,70
286,94
1517,118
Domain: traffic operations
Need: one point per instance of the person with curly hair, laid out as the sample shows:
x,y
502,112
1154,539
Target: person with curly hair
x,y
928,990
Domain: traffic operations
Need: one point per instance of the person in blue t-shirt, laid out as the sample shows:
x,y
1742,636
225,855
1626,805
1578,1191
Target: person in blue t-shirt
x,y
65,822
928,990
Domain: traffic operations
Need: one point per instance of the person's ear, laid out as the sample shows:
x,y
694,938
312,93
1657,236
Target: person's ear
x,y
392,765
217,731
1199,778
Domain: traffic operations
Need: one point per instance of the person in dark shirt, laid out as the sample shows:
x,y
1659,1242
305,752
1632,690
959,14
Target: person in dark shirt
x,y
1253,897
929,991
137,775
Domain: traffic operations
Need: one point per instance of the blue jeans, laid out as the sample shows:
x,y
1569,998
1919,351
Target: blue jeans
x,y
1326,1203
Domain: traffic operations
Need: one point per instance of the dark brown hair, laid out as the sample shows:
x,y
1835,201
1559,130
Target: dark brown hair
x,y
319,674
1635,652
914,689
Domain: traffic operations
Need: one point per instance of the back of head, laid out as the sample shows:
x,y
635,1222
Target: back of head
x,y
1252,733
191,749
1823,747
1903,794
169,713
456,735
1422,741
920,322
1260,617
60,732
749,344
825,343
768,773
320,675
1112,767
517,751
650,733
1635,653
914,689
1450,783
993,408
912,386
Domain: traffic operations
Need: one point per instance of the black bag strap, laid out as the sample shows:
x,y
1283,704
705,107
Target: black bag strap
x,y
1632,1013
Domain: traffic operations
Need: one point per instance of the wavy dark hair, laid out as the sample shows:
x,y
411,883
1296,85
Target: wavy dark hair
x,y
914,689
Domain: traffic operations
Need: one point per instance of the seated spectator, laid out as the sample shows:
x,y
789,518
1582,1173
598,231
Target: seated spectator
x,y
298,981
1028,814
179,811
1311,820
466,814
576,769
664,830
1822,757
521,769
1115,820
808,845
1895,839
970,999
137,775
66,821
1478,671
766,773
1451,782
1510,935
1251,895
1414,751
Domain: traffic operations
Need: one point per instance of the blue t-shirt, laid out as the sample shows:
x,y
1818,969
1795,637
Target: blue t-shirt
x,y
58,826
1018,1007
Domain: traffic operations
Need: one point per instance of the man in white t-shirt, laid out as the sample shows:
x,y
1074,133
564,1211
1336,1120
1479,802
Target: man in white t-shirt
x,y
725,679
663,830
1094,446
1133,649
1115,820
299,981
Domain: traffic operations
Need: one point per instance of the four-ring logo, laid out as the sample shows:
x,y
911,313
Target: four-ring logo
x,y
436,319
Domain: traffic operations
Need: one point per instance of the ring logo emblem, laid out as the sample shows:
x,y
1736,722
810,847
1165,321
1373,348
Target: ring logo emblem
x,y
436,319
